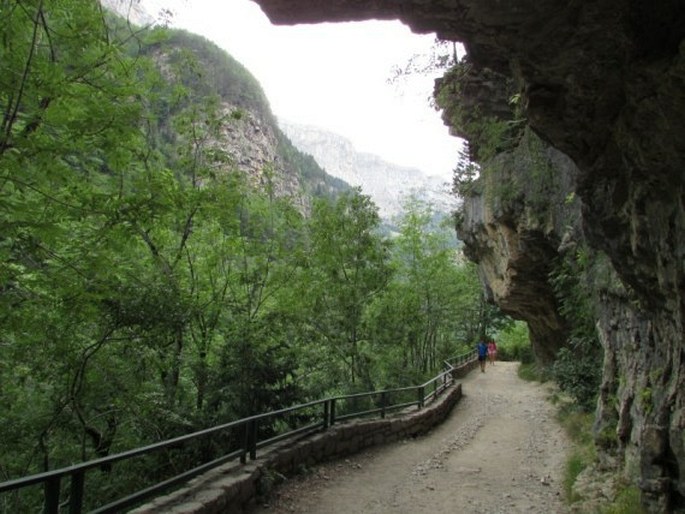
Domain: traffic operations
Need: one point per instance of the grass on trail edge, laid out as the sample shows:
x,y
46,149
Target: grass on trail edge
x,y
531,372
578,425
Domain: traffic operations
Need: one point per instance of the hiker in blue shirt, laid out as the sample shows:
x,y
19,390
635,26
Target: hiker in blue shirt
x,y
482,354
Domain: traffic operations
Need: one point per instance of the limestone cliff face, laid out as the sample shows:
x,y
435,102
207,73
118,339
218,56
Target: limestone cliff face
x,y
514,222
253,146
604,84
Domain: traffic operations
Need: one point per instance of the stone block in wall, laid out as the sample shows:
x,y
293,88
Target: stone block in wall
x,y
283,460
375,426
229,485
248,486
213,500
398,425
329,449
347,447
345,431
187,508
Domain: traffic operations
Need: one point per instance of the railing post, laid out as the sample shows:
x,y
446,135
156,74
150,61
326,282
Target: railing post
x,y
384,402
76,496
52,489
252,439
249,442
246,443
420,397
326,414
332,411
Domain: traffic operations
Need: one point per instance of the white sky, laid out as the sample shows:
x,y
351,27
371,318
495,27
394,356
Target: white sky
x,y
333,76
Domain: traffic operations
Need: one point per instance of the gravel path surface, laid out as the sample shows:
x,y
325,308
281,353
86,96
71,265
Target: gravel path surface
x,y
500,451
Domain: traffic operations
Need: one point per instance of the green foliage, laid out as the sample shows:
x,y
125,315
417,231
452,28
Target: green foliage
x,y
628,501
531,372
542,177
645,399
69,132
577,368
575,464
457,95
213,71
578,426
513,344
577,372
465,174
431,304
347,268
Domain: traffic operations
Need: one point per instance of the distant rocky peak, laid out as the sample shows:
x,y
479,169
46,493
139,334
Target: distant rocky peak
x,y
389,185
141,12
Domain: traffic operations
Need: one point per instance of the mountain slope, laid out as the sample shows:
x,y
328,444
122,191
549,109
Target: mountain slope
x,y
248,138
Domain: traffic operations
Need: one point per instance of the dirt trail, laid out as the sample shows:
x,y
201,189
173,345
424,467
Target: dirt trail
x,y
500,451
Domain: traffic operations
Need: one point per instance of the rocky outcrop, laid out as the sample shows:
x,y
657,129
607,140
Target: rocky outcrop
x,y
253,147
513,231
603,83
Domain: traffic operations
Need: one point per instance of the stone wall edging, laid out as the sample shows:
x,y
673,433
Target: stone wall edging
x,y
235,487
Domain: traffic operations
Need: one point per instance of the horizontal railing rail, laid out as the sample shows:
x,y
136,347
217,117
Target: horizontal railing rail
x,y
318,415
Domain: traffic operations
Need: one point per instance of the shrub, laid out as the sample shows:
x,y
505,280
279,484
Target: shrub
x,y
513,344
531,373
577,370
578,425
574,466
627,502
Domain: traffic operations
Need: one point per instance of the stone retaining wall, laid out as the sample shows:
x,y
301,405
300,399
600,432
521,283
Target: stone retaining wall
x,y
233,488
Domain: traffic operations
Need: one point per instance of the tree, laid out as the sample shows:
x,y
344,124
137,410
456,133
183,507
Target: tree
x,y
347,268
416,322
132,255
69,145
575,368
465,173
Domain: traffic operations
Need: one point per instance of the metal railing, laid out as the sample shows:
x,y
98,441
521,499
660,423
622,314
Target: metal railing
x,y
315,416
